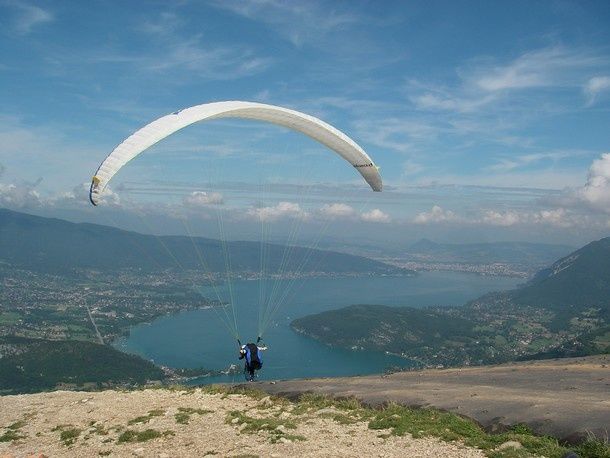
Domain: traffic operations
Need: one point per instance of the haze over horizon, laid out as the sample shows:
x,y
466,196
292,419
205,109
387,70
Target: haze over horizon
x,y
489,121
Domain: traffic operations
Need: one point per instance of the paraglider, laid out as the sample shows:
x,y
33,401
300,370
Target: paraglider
x,y
163,127
253,354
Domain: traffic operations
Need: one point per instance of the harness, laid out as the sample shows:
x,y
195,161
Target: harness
x,y
253,356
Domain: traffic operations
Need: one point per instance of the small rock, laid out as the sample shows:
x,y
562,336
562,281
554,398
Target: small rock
x,y
510,444
283,440
235,420
281,428
139,452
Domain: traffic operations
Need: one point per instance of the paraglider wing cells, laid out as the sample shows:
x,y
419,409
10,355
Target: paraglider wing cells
x,y
163,127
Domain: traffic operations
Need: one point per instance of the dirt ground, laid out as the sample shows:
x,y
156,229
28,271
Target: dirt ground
x,y
565,398
190,423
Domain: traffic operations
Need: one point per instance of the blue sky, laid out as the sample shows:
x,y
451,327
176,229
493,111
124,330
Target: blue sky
x,y
489,120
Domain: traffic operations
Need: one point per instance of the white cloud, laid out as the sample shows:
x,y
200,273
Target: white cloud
x,y
435,215
347,212
547,67
79,197
557,217
203,199
596,192
410,167
496,218
28,16
398,134
299,22
280,211
595,86
337,210
20,196
25,195
433,102
174,52
484,82
512,162
183,57
550,178
213,62
31,151
375,216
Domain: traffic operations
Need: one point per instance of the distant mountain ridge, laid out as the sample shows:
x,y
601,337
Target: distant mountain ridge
x,y
563,311
539,254
581,279
58,246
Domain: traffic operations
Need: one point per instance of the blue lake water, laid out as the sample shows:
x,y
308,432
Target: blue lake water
x,y
197,338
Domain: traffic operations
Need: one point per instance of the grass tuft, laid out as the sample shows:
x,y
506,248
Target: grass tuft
x,y
10,436
146,418
450,427
13,432
274,427
17,425
593,448
184,414
130,435
69,436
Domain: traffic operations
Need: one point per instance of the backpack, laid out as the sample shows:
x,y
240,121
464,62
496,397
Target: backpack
x,y
253,356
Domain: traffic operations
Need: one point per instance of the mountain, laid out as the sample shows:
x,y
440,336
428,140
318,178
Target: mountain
x,y
58,246
521,253
31,365
580,280
563,311
384,328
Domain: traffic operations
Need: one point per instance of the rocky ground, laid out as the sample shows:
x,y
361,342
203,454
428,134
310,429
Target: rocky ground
x,y
566,398
195,422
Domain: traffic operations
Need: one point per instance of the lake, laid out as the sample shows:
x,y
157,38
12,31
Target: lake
x,y
197,338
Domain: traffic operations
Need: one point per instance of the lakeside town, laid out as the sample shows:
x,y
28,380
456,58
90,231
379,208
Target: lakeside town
x,y
102,306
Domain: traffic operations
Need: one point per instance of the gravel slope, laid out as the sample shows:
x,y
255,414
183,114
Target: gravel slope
x,y
96,421
565,398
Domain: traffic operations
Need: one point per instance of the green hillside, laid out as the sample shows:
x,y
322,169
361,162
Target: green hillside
x,y
31,365
53,245
579,280
392,329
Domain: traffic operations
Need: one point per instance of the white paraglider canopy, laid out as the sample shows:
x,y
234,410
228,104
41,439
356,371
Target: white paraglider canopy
x,y
163,127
